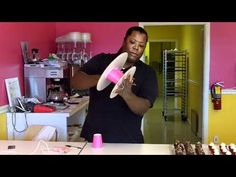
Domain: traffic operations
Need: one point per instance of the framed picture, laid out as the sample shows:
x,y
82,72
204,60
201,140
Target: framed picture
x,y
13,90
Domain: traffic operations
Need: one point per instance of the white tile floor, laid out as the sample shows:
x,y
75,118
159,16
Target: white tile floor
x,y
159,131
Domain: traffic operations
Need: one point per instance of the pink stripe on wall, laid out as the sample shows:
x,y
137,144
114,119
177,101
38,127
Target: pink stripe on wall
x,y
223,53
106,37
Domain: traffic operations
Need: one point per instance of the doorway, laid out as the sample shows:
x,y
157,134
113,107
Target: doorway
x,y
203,104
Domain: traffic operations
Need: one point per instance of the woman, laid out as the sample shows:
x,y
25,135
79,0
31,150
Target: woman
x,y
118,119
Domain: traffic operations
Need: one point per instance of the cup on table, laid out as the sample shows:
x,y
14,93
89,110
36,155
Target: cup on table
x,y
97,141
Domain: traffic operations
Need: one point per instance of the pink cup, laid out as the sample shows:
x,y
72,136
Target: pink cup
x,y
97,141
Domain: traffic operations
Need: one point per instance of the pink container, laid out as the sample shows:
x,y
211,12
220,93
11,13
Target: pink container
x,y
97,141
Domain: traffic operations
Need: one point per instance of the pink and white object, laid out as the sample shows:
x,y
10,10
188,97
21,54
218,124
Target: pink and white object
x,y
113,74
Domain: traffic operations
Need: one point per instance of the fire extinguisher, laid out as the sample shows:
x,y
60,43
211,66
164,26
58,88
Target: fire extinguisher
x,y
216,94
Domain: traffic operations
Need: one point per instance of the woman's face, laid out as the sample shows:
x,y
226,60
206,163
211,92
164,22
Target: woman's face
x,y
134,45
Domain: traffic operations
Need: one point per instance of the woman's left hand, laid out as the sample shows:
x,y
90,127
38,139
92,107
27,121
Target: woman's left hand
x,y
124,89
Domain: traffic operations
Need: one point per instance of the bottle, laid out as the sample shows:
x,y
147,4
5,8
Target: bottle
x,y
35,54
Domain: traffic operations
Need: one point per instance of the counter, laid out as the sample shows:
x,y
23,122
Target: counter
x,y
40,148
129,149
84,148
135,149
74,114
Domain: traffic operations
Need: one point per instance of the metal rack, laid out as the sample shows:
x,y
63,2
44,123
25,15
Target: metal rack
x,y
175,83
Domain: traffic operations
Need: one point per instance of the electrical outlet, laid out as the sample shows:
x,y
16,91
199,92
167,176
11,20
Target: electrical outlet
x,y
216,139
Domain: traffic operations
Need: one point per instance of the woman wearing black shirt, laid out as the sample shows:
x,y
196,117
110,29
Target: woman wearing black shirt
x,y
118,119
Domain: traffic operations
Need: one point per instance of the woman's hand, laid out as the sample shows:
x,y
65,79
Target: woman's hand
x,y
124,89
136,104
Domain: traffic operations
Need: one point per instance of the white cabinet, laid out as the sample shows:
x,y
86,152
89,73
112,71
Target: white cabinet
x,y
61,119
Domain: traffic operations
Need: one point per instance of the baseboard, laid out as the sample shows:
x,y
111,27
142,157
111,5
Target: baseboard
x,y
228,91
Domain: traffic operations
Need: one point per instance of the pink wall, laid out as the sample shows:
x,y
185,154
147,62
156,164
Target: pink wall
x,y
39,35
223,53
106,36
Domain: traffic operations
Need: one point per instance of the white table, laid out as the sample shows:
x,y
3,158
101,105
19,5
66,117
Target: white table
x,y
84,148
40,148
135,149
129,149
75,114
81,148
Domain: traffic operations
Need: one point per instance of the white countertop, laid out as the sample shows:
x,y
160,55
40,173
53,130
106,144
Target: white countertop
x,y
135,149
40,148
128,149
54,148
84,148
73,108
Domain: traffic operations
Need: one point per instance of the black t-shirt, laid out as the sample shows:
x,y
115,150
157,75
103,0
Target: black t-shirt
x,y
112,117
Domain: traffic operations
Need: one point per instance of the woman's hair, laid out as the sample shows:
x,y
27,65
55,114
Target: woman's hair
x,y
129,32
136,28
